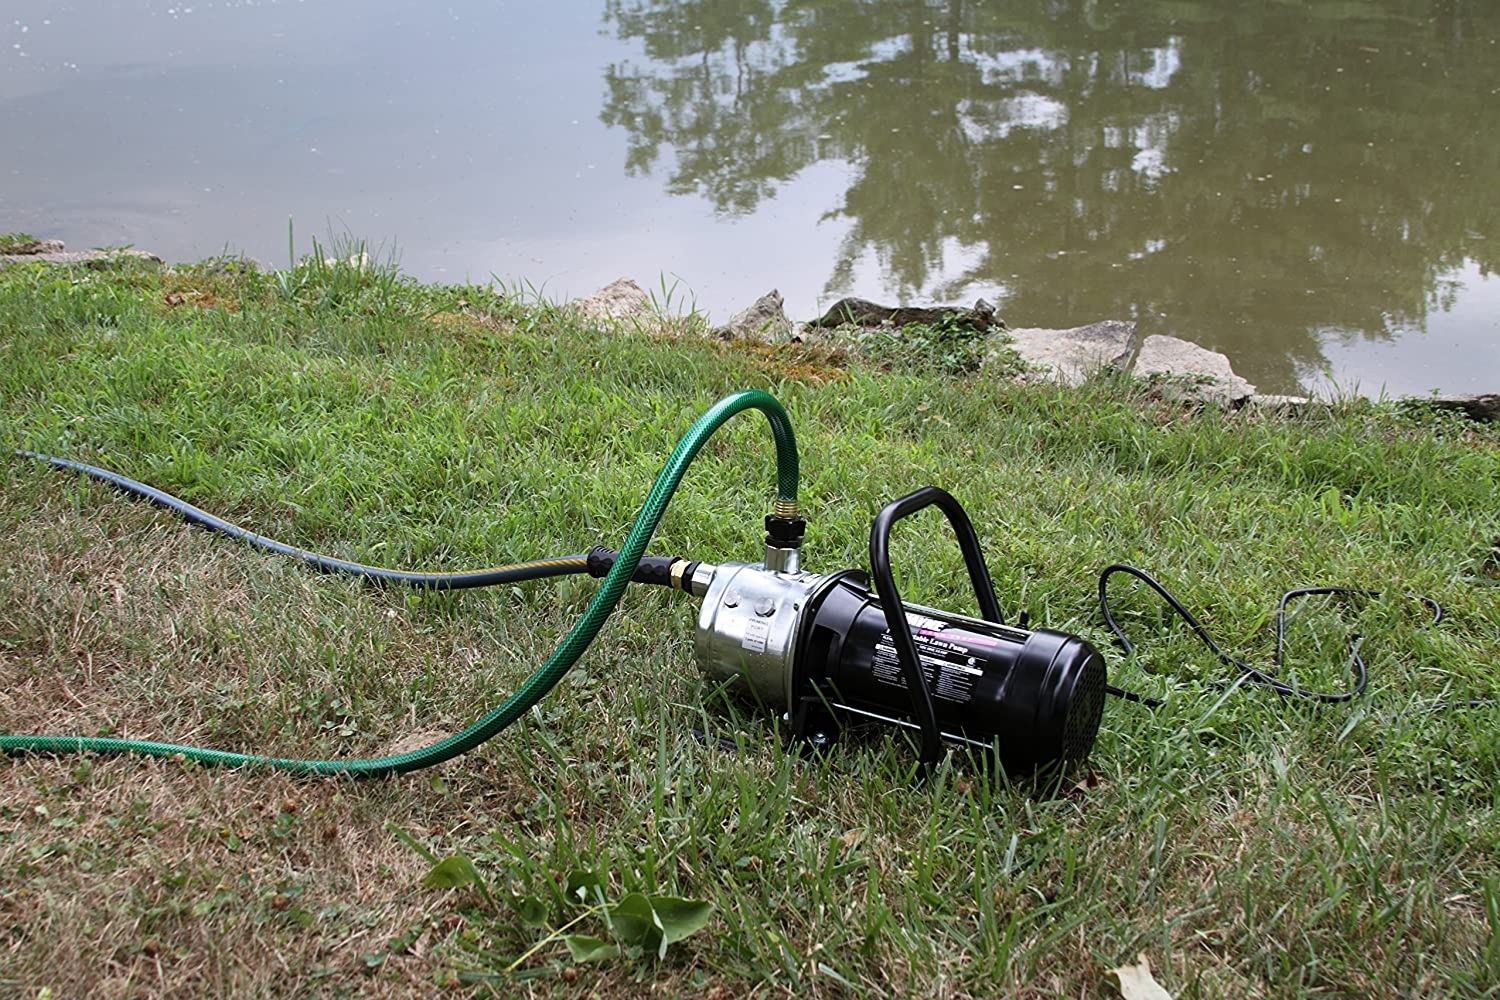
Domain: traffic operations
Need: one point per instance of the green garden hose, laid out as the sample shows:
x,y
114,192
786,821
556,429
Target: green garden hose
x,y
547,675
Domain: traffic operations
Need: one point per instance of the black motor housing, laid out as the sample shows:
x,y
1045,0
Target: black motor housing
x,y
1035,697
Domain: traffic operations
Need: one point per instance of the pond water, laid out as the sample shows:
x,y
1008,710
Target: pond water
x,y
1311,187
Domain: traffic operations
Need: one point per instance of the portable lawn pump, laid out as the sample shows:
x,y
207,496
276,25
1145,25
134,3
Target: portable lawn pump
x,y
826,651
822,649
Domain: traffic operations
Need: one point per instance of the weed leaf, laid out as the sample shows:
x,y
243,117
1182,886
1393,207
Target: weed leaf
x,y
584,948
583,886
452,873
532,911
651,923
679,918
635,925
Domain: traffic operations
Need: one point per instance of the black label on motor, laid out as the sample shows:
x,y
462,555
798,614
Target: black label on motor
x,y
950,666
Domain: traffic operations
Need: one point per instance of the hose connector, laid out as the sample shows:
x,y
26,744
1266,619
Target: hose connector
x,y
663,571
784,539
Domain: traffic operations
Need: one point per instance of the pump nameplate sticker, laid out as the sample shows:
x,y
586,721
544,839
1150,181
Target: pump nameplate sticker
x,y
951,667
756,634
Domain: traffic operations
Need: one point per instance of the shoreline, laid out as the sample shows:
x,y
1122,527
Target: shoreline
x,y
1183,371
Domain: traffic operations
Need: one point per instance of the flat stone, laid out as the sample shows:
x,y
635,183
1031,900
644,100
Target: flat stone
x,y
81,258
1074,355
867,315
1199,375
35,247
764,320
620,299
1272,403
1483,407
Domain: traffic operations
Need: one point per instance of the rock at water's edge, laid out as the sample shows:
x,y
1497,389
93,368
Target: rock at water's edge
x,y
1484,407
34,247
1207,375
620,299
866,314
1072,356
85,258
764,320
1273,403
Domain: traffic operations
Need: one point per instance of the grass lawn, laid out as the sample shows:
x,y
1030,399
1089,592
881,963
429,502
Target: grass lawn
x,y
1248,845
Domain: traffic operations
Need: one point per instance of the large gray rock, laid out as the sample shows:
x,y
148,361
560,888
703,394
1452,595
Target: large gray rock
x,y
764,320
1071,356
618,300
868,315
78,258
1484,407
1198,374
31,247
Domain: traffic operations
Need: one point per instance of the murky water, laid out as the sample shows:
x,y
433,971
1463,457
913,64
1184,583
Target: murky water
x,y
1312,187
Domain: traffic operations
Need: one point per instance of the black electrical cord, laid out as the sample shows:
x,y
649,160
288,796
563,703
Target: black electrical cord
x,y
1252,674
596,562
536,569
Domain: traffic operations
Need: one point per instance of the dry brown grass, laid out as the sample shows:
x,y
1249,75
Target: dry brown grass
x,y
129,877
199,288
805,363
464,322
136,878
148,878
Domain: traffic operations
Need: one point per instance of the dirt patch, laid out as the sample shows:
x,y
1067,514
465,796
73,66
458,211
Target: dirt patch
x,y
132,877
793,362
198,291
194,297
464,325
135,877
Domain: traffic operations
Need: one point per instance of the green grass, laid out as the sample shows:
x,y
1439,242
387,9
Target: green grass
x,y
1247,845
947,347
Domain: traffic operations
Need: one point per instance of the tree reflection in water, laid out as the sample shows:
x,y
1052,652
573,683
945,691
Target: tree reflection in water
x,y
1254,177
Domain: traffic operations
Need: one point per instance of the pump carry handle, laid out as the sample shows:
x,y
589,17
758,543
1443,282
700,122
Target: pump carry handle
x,y
895,611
